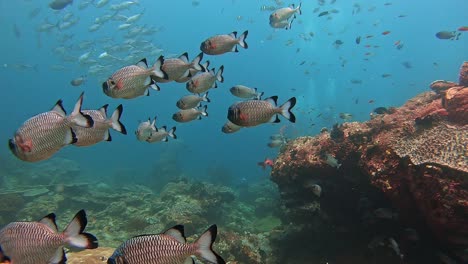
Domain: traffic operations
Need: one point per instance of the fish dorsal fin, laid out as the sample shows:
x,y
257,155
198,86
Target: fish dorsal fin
x,y
163,129
59,257
184,57
233,34
142,63
103,110
58,107
177,232
272,100
49,220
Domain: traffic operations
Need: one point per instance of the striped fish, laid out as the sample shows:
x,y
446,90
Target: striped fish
x,y
221,44
134,80
100,130
179,68
169,247
191,114
203,81
161,134
191,101
43,135
255,112
40,243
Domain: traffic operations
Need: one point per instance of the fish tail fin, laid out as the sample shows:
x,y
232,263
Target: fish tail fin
x,y
242,39
196,62
205,244
219,74
115,120
74,234
286,109
299,8
156,69
205,98
171,133
203,112
78,118
259,95
289,24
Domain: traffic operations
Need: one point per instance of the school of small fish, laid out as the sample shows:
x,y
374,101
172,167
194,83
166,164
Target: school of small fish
x,y
44,134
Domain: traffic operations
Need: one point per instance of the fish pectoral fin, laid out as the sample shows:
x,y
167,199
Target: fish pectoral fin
x,y
59,257
189,260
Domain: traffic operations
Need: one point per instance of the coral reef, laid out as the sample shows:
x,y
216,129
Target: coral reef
x,y
413,160
463,77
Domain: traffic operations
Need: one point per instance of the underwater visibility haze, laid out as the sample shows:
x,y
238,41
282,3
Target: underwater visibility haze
x,y
280,151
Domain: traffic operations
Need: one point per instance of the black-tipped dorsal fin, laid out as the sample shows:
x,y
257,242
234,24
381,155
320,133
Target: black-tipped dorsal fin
x,y
272,100
142,63
103,110
49,220
176,232
184,57
58,107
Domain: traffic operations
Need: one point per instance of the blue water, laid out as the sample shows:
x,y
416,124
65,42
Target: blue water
x,y
268,64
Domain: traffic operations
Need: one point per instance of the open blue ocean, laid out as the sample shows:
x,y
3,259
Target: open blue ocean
x,y
339,59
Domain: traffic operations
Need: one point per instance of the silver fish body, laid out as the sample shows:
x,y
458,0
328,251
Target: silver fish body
x,y
162,134
178,68
188,115
245,92
40,243
255,112
191,101
230,128
284,13
145,130
100,130
203,81
221,44
134,80
43,135
169,247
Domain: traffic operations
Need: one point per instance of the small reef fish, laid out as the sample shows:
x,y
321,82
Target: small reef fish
x,y
177,68
191,114
145,129
358,40
282,24
203,81
191,101
346,116
229,127
324,13
283,14
162,134
255,112
452,35
43,135
315,188
78,81
167,248
386,32
463,28
134,80
332,161
100,129
60,4
275,143
40,242
221,44
266,163
245,92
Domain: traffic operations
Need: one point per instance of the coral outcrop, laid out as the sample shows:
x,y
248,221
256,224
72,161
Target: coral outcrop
x,y
413,161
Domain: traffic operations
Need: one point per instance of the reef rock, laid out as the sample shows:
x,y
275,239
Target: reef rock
x,y
415,156
463,78
90,256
